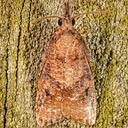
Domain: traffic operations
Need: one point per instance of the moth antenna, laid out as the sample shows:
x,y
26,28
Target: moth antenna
x,y
48,17
96,12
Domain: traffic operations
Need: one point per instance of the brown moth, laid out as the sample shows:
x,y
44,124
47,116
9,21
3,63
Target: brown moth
x,y
66,84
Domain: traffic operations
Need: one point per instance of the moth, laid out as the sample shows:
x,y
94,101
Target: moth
x,y
66,84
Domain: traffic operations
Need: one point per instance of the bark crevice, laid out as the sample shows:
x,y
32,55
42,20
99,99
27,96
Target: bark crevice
x,y
6,88
6,69
18,47
29,14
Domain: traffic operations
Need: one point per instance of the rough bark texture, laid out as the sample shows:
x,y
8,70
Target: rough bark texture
x,y
22,40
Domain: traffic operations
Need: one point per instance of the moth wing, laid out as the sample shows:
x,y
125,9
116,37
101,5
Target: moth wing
x,y
48,98
79,102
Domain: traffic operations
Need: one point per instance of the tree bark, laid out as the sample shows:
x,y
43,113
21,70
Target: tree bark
x,y
23,38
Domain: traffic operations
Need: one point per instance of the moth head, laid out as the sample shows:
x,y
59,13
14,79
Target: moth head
x,y
66,21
